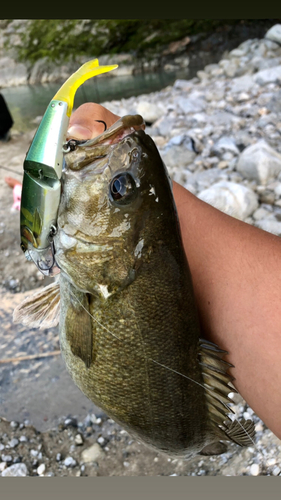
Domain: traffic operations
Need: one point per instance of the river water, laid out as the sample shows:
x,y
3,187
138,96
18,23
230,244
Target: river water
x,y
26,102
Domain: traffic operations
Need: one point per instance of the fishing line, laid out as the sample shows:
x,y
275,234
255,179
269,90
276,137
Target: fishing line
x,y
172,370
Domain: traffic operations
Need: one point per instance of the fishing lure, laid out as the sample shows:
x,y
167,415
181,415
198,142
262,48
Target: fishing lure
x,y
43,166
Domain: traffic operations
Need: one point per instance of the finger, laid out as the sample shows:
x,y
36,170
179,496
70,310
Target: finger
x,y
86,121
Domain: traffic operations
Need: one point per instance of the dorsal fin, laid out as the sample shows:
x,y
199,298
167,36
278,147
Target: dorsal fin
x,y
40,310
217,386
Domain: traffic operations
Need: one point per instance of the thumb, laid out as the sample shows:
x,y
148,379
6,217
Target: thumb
x,y
89,121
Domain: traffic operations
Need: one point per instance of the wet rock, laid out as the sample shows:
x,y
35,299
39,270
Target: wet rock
x,y
234,199
15,470
259,162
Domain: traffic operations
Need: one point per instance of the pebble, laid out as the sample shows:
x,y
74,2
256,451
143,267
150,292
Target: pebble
x,y
78,439
13,443
41,469
276,471
15,470
254,470
69,462
92,454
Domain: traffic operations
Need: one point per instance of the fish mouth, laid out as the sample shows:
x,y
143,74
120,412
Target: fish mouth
x,y
89,151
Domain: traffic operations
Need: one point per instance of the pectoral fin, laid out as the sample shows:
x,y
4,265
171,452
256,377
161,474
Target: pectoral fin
x,y
40,310
79,328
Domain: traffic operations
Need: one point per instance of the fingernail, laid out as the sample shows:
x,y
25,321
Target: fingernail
x,y
79,132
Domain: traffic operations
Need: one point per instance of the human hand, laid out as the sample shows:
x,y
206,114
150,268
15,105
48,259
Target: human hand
x,y
89,121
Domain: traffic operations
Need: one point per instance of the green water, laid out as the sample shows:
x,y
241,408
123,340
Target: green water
x,y
26,102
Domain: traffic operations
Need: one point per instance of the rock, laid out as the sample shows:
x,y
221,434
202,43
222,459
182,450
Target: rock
x,y
225,144
181,140
254,470
241,84
274,105
260,213
271,75
12,73
13,443
92,454
78,439
3,466
177,156
41,469
15,470
269,225
277,190
234,199
149,111
184,85
267,196
259,162
190,105
164,125
274,33
230,67
69,462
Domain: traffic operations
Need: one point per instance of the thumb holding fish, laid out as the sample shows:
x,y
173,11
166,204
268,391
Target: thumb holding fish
x,y
89,121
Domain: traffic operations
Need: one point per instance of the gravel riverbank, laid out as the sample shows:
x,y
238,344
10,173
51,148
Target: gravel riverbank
x,y
219,135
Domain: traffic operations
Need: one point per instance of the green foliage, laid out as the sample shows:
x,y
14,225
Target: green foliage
x,y
62,39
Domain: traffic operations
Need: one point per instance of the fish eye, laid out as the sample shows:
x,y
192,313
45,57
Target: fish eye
x,y
122,188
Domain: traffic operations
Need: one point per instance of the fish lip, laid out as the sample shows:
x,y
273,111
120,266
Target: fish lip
x,y
114,134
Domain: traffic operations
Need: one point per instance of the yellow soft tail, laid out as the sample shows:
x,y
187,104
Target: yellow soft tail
x,y
68,90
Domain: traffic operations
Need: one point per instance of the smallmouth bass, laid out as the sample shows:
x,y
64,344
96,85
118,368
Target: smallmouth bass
x,y
129,330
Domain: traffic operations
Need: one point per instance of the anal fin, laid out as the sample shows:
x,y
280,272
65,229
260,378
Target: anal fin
x,y
217,388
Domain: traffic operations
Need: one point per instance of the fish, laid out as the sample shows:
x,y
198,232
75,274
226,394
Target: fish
x,y
129,328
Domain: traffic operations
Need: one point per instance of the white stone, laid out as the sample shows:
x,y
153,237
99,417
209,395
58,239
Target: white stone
x,y
70,462
242,84
177,156
15,470
259,162
41,469
270,225
274,33
260,213
254,470
149,111
233,199
93,453
277,190
270,75
225,144
190,105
